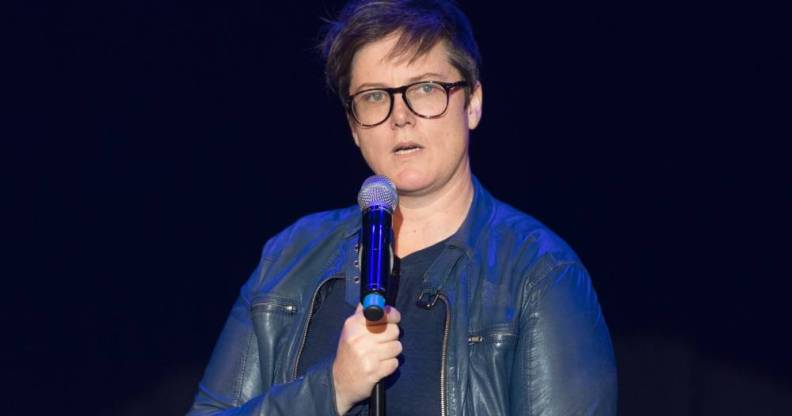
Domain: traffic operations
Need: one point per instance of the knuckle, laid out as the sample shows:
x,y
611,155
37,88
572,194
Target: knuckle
x,y
393,331
391,365
349,322
358,344
372,378
367,366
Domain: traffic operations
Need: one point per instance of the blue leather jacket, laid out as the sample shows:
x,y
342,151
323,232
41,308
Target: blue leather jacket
x,y
524,332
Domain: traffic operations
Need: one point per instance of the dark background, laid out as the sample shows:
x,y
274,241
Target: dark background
x,y
153,147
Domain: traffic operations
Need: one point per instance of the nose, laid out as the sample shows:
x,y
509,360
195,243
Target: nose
x,y
401,115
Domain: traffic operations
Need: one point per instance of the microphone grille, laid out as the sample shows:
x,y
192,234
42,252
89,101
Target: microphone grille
x,y
378,191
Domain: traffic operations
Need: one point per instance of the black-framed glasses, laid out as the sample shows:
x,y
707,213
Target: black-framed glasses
x,y
426,99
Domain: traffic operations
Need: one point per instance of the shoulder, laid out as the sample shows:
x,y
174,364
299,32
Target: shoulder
x,y
313,229
305,249
526,253
534,240
559,318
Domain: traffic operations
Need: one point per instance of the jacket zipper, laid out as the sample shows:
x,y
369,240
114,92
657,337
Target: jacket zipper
x,y
274,304
443,356
307,323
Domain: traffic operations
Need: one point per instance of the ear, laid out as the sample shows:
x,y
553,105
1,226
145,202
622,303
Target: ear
x,y
353,129
474,107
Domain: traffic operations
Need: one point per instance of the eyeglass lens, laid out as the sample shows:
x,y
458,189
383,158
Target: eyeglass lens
x,y
425,99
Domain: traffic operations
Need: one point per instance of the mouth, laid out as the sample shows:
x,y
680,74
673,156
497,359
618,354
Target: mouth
x,y
406,148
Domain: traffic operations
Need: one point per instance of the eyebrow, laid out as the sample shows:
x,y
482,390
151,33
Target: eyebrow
x,y
423,76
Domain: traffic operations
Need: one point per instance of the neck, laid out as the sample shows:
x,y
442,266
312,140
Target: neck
x,y
421,221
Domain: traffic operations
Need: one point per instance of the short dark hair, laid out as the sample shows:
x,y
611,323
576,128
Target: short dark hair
x,y
422,23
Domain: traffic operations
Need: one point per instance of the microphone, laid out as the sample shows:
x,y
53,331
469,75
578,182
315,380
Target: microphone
x,y
377,200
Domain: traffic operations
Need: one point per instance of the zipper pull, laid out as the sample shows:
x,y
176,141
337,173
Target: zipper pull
x,y
475,339
427,298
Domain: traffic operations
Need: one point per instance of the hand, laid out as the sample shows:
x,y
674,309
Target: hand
x,y
366,354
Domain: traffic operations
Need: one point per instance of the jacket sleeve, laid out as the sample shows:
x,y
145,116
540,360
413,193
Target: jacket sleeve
x,y
232,382
564,358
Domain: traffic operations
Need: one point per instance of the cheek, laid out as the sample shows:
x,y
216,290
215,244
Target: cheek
x,y
454,136
371,151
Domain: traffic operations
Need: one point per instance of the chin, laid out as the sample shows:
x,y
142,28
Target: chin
x,y
408,183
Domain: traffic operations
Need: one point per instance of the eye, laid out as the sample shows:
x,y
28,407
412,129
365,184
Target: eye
x,y
427,88
374,97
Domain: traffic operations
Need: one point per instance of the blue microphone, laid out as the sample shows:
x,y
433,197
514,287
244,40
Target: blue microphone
x,y
377,200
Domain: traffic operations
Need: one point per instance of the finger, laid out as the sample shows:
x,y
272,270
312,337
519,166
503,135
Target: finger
x,y
387,367
389,350
377,329
355,320
392,314
384,332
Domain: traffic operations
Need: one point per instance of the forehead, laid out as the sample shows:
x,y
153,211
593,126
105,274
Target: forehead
x,y
376,63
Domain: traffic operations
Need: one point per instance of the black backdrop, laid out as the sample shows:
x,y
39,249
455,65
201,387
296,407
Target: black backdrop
x,y
155,146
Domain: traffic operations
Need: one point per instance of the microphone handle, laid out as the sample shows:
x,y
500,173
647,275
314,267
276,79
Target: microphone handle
x,y
377,400
376,268
376,260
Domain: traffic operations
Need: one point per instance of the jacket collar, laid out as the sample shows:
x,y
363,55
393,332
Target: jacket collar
x,y
461,244
478,218
476,222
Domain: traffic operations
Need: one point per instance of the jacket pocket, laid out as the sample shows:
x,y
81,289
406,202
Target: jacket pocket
x,y
497,337
273,304
491,352
274,320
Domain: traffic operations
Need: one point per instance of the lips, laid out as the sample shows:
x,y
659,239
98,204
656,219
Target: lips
x,y
406,148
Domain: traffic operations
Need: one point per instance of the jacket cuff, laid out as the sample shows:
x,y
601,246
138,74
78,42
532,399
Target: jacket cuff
x,y
310,394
